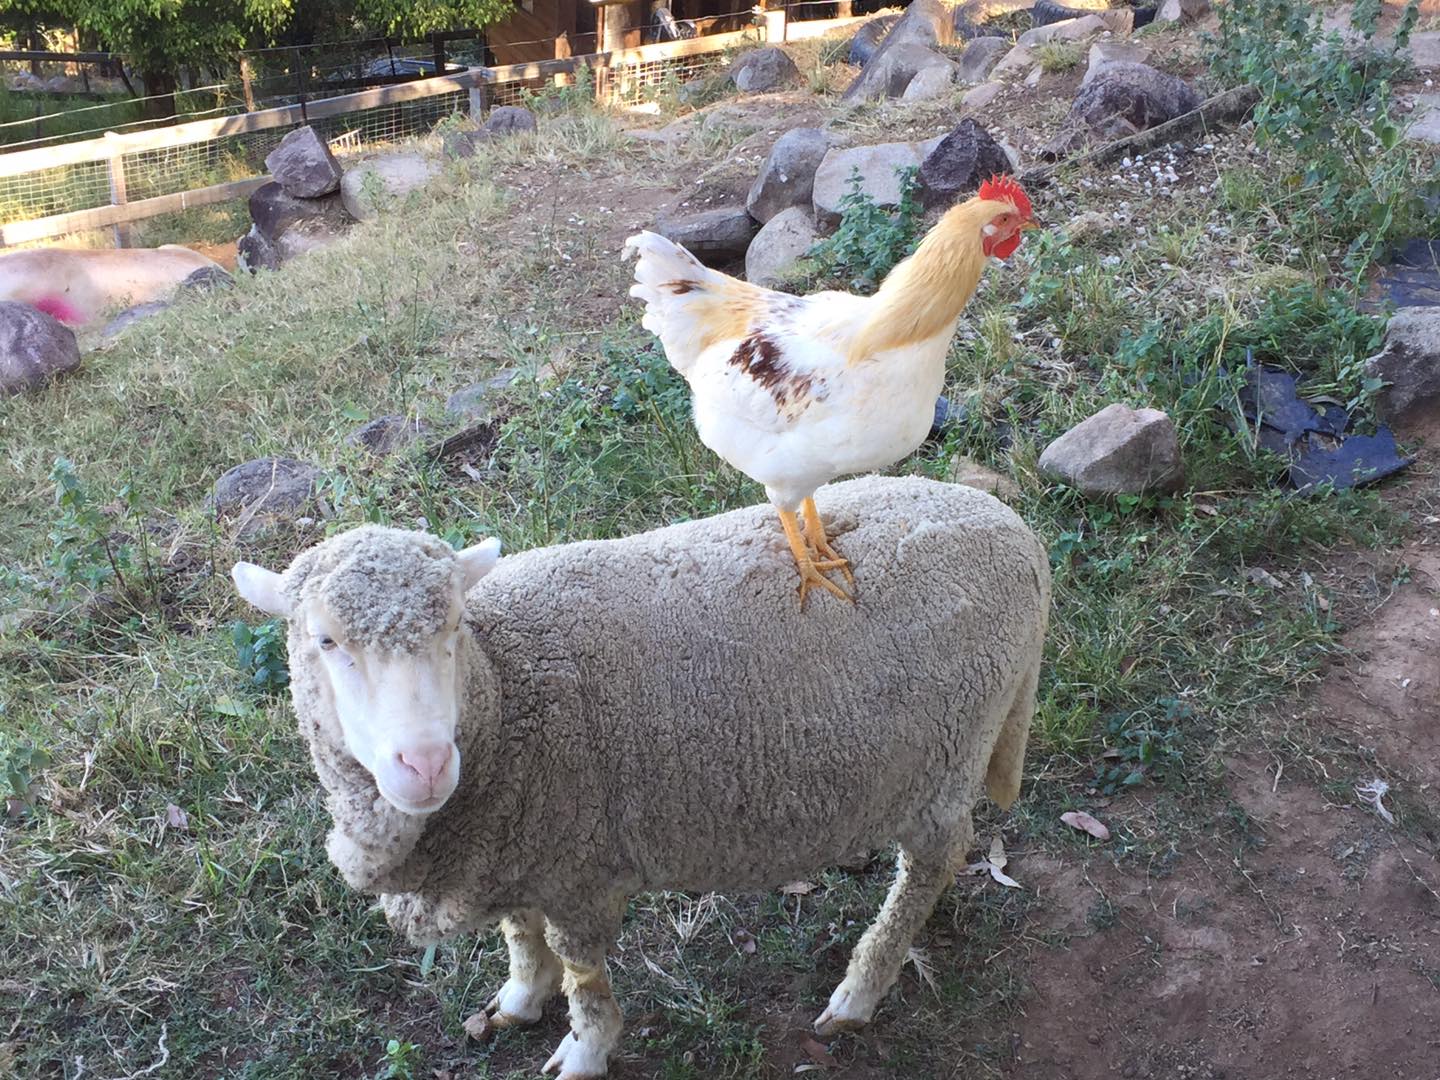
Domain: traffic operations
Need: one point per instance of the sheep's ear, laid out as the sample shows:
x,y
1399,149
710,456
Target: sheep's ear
x,y
261,587
478,560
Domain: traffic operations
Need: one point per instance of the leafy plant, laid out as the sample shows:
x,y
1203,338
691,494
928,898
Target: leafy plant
x,y
260,652
870,239
20,765
400,1061
85,545
1138,749
1329,102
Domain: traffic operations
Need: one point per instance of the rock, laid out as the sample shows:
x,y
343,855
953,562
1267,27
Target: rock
x,y
929,83
1066,141
1425,50
1182,10
982,95
373,186
958,164
34,347
982,54
503,121
386,434
891,72
948,415
1019,58
788,176
253,252
1409,362
768,68
1036,74
275,212
1088,225
712,236
205,279
779,244
1105,53
1073,29
130,316
964,470
1424,123
879,168
868,38
925,23
303,165
265,486
1126,98
1118,451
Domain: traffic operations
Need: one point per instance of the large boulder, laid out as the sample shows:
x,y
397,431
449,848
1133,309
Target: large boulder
x,y
1126,98
779,244
270,486
275,211
303,165
925,22
788,176
503,122
1425,50
1118,451
1409,363
929,83
879,167
373,186
977,97
1105,53
891,71
959,163
868,38
253,252
715,237
1074,29
1020,58
768,68
980,56
34,347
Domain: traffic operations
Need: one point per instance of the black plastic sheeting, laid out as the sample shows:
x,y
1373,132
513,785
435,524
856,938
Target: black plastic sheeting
x,y
1314,440
1410,277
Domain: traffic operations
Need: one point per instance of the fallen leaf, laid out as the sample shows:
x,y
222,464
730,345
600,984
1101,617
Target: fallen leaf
x,y
175,817
1078,819
745,940
994,864
798,888
478,1027
817,1053
1263,577
997,853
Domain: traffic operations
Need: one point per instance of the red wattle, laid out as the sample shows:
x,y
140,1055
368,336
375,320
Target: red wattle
x,y
1005,248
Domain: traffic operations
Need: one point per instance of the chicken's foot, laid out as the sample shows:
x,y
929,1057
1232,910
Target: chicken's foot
x,y
820,544
810,569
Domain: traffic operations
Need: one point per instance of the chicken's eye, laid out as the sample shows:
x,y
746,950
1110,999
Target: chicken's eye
x,y
327,642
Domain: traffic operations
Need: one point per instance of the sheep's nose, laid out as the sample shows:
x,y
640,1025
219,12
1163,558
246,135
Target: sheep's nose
x,y
427,761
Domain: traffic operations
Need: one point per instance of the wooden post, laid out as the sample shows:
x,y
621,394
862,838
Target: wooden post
x,y
479,100
774,25
247,83
437,47
117,193
562,52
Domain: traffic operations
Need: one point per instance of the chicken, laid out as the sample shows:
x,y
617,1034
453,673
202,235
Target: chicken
x,y
796,391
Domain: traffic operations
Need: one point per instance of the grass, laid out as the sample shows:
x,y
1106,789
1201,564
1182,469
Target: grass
x,y
163,888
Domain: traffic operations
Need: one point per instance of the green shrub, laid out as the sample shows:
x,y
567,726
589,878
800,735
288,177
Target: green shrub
x,y
870,239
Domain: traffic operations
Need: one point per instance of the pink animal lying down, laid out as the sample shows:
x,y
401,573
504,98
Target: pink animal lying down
x,y
79,286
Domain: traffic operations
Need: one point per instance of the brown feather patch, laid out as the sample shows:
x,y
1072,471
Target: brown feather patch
x,y
761,359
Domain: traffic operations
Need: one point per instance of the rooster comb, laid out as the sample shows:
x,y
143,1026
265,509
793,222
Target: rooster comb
x,y
1006,189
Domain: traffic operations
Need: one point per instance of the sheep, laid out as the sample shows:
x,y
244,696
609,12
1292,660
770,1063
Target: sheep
x,y
533,740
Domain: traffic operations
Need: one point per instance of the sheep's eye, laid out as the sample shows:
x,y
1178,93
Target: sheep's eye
x,y
327,642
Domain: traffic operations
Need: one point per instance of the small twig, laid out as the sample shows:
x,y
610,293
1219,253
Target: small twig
x,y
159,1062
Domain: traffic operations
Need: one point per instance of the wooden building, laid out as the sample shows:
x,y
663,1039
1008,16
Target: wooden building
x,y
547,29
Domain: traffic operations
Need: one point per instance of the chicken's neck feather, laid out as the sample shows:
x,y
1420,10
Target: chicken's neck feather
x,y
924,295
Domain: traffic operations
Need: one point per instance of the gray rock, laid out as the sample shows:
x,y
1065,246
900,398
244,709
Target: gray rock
x,y
303,165
253,252
930,83
1068,29
980,56
925,22
1182,10
879,168
768,68
788,176
1424,122
958,165
1126,98
1118,451
1425,50
34,347
205,279
386,434
892,70
1105,53
503,121
1020,58
376,185
779,244
1409,362
868,38
275,212
982,95
130,316
272,486
712,236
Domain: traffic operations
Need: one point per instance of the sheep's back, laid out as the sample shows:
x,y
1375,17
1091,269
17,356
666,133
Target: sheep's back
x,y
672,676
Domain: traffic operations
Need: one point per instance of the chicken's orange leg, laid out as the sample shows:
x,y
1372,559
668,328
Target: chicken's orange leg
x,y
809,569
820,543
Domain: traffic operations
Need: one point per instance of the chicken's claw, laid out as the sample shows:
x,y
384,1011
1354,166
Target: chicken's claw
x,y
811,570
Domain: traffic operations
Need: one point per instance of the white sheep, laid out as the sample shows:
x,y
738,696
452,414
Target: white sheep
x,y
535,741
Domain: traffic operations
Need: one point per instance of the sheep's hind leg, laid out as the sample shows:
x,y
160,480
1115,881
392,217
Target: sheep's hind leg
x,y
594,1015
876,962
535,973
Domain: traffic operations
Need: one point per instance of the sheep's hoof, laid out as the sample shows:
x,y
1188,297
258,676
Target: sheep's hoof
x,y
518,1004
846,1012
575,1059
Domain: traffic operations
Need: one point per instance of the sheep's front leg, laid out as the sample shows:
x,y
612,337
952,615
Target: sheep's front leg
x,y
594,1016
876,962
535,973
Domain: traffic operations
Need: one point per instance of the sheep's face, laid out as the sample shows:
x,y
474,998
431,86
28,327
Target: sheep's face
x,y
376,617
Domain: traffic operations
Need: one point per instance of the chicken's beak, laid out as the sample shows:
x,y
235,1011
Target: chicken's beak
x,y
1026,225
